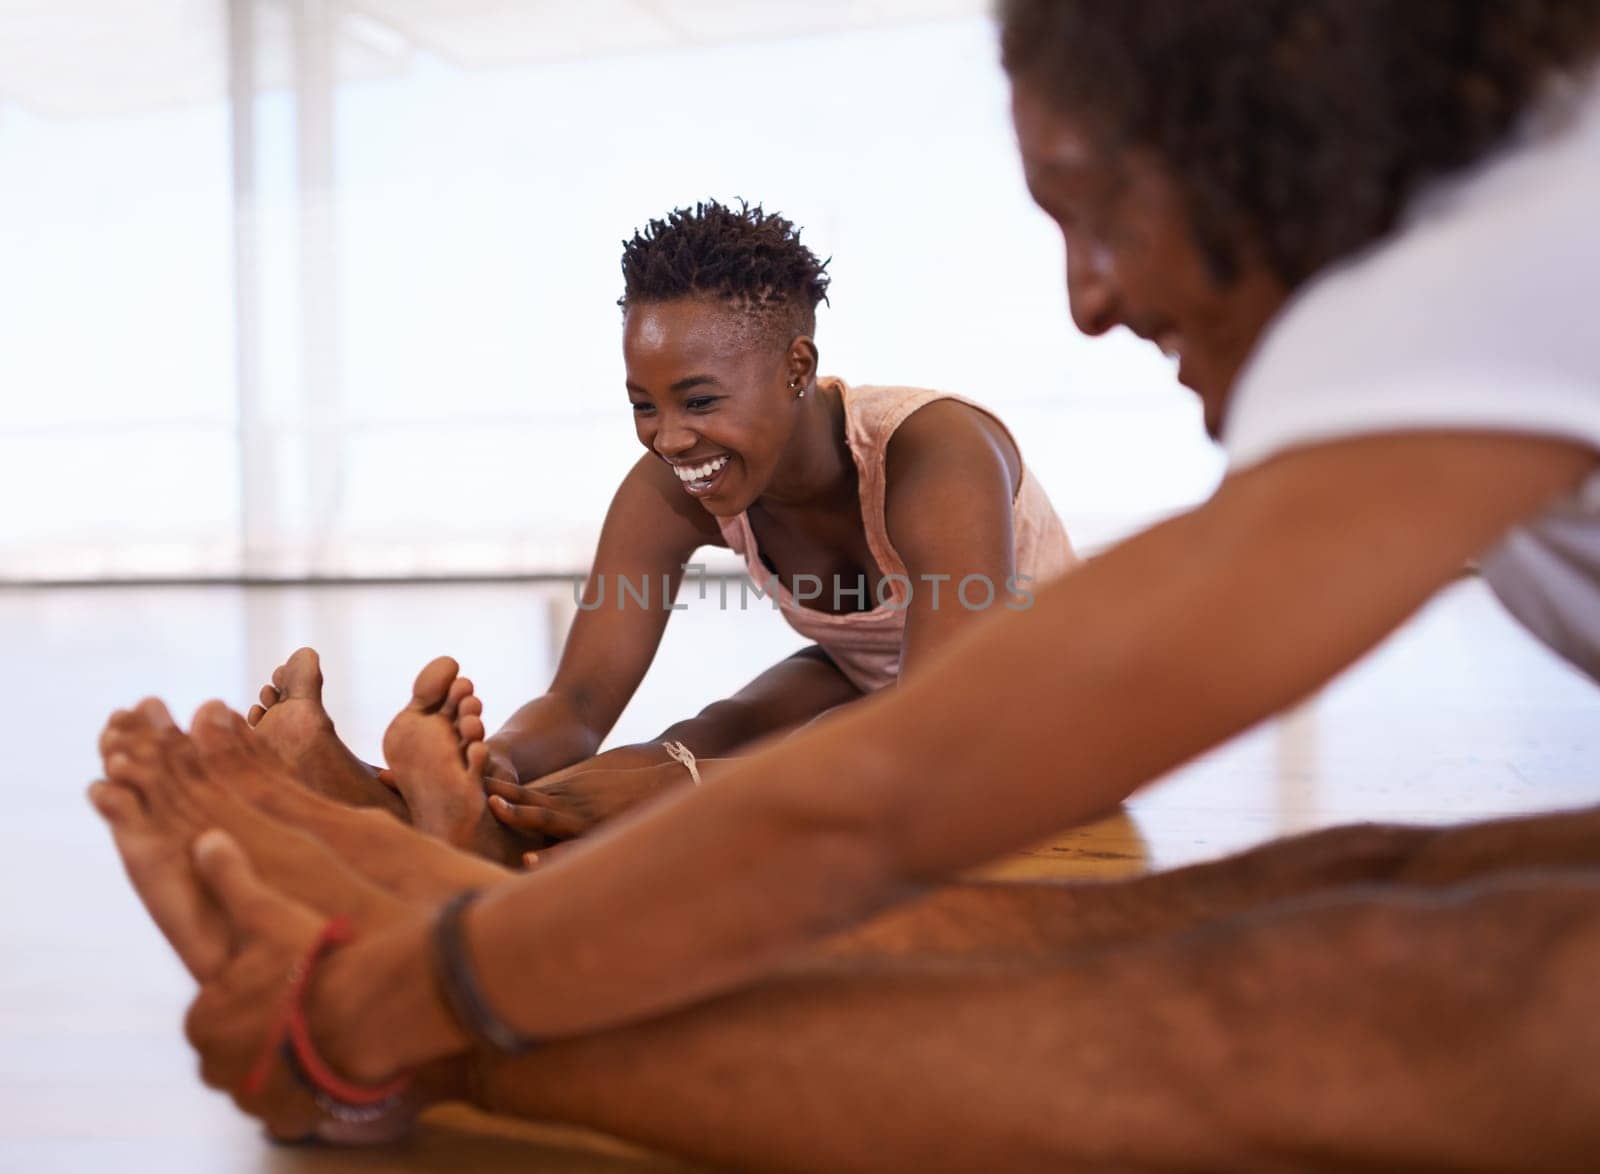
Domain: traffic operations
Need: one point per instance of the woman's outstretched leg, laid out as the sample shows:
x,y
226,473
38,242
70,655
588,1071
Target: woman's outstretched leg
x,y
290,718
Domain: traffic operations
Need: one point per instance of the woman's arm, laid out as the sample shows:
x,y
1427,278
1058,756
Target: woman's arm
x,y
651,530
1146,656
800,687
951,476
573,801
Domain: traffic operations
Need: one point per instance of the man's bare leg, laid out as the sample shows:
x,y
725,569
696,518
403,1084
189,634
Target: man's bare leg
x,y
1042,918
1552,840
1038,918
290,718
1390,1028
991,918
1367,1025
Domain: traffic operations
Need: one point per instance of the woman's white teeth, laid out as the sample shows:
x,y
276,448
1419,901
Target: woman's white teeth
x,y
699,472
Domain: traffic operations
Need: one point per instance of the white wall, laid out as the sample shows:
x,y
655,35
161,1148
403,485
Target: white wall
x,y
480,215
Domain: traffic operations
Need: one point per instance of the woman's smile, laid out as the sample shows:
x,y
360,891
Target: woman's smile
x,y
700,479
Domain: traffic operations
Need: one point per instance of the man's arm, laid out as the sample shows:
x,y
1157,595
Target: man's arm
x,y
1146,656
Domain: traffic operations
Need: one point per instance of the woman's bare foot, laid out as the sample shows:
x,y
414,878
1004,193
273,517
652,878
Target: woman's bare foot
x,y
291,719
436,754
399,859
144,751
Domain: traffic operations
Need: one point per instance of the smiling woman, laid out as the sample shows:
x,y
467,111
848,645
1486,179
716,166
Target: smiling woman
x,y
881,521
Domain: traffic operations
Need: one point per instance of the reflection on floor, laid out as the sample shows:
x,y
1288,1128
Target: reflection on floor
x,y
1458,716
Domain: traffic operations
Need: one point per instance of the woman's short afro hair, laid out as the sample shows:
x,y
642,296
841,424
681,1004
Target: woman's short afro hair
x,y
745,256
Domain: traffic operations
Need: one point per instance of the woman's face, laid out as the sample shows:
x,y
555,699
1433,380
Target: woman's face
x,y
1132,256
710,398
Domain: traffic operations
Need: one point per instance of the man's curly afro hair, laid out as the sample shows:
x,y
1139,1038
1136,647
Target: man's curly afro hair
x,y
1297,128
745,256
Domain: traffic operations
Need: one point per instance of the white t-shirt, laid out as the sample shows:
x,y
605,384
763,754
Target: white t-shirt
x,y
1482,311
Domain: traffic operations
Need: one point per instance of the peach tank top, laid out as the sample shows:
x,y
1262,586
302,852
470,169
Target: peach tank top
x,y
866,644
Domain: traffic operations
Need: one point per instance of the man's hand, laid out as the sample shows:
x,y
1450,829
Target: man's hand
x,y
240,1007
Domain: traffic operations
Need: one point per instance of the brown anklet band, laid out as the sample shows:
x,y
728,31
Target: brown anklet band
x,y
458,986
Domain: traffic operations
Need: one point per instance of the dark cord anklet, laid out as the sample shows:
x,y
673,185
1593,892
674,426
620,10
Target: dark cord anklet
x,y
452,970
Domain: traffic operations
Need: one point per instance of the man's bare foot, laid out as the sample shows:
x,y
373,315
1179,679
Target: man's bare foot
x,y
145,753
291,719
436,754
179,877
158,867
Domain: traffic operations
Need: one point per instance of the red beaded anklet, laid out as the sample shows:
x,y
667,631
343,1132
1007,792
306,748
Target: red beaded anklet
x,y
290,1039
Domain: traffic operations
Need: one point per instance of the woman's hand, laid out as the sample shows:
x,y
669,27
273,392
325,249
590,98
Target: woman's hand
x,y
497,766
574,803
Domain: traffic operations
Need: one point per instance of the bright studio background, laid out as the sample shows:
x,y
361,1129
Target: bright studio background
x,y
300,288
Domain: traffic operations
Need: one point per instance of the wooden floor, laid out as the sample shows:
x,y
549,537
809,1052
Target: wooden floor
x,y
1459,716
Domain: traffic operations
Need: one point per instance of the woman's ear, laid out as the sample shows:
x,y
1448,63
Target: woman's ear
x,y
801,368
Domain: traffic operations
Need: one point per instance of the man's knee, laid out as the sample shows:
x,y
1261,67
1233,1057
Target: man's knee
x,y
1561,840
